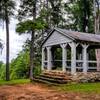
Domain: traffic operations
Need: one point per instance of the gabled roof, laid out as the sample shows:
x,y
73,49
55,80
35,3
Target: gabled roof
x,y
74,35
81,36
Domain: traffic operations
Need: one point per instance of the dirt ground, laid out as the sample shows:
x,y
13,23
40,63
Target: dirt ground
x,y
40,92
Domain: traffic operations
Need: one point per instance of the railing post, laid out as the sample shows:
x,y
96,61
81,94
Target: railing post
x,y
85,67
64,57
43,58
73,57
49,57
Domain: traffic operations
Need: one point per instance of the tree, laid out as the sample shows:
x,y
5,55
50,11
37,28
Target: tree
x,y
19,67
52,13
1,63
80,14
6,11
1,46
97,16
28,27
56,15
28,9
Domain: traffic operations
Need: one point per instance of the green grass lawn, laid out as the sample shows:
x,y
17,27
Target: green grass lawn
x,y
82,87
13,82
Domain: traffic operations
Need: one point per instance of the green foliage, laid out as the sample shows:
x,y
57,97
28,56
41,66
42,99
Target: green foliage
x,y
20,66
2,72
29,25
56,11
52,13
7,8
80,14
1,63
37,70
26,8
9,5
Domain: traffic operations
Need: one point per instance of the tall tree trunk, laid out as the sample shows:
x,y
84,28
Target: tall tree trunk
x,y
32,55
47,17
84,18
7,44
32,43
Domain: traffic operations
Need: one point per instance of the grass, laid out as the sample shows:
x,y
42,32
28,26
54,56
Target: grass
x,y
14,82
82,87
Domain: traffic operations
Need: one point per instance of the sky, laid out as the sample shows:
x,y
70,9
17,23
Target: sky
x,y
16,41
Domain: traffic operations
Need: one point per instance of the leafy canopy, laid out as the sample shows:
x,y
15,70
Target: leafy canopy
x,y
80,15
28,25
9,5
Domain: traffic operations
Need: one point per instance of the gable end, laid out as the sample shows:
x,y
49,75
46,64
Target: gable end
x,y
56,37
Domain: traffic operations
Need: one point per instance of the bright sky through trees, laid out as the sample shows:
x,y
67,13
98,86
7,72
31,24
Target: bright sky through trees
x,y
16,41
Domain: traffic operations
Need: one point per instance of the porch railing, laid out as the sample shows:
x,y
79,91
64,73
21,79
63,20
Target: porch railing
x,y
91,64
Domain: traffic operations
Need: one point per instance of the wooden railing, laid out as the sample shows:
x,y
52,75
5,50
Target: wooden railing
x,y
79,64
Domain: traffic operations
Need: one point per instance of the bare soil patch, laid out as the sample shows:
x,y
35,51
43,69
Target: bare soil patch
x,y
39,91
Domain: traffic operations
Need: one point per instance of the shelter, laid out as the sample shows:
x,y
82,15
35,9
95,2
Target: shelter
x,y
77,45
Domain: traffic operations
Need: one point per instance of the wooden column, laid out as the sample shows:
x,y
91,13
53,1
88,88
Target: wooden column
x,y
73,57
49,57
85,67
64,57
43,58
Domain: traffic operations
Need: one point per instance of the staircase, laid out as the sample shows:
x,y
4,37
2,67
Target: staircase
x,y
53,77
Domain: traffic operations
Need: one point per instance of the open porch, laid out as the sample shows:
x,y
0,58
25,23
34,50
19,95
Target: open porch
x,y
76,51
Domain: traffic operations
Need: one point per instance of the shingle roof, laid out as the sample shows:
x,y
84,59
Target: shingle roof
x,y
80,35
87,37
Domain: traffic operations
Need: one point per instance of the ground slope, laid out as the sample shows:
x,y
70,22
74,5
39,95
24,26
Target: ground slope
x,y
38,91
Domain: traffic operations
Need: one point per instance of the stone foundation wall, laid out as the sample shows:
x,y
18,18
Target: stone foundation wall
x,y
89,77
79,77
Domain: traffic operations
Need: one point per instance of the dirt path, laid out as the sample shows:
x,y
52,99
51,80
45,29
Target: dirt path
x,y
40,92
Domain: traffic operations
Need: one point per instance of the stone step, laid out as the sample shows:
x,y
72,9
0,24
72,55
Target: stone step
x,y
52,80
44,81
56,77
56,73
78,78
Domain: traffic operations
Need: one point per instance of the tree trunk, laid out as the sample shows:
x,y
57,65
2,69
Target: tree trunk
x,y
47,17
32,43
7,44
32,55
84,18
